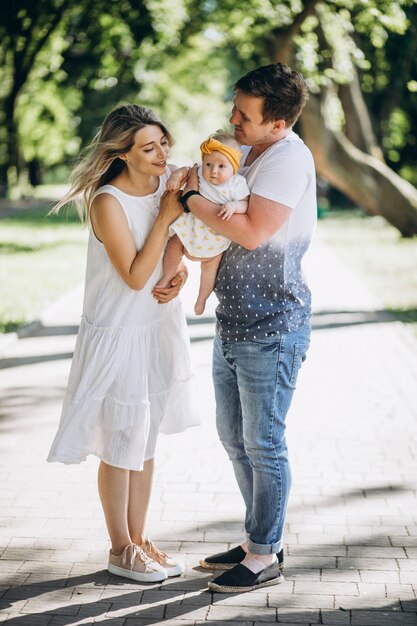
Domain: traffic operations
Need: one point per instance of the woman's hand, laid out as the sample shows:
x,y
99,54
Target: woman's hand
x,y
192,182
169,293
170,207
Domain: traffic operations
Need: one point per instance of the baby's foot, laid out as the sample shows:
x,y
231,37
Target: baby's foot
x,y
199,306
164,283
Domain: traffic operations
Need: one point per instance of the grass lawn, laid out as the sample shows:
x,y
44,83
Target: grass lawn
x,y
41,258
386,261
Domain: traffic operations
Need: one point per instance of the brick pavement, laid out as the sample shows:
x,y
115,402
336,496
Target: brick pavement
x,y
351,536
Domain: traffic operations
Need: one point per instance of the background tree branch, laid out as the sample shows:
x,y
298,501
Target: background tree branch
x,y
363,178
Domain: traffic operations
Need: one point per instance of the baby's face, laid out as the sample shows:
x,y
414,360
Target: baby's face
x,y
216,168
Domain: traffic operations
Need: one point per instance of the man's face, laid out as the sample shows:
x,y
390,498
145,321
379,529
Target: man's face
x,y
250,129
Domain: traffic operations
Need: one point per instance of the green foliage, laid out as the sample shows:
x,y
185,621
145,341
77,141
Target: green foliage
x,y
46,123
46,255
60,59
182,57
188,91
377,38
391,94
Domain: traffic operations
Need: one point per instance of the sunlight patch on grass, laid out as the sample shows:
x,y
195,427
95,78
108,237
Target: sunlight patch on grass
x,y
41,258
386,261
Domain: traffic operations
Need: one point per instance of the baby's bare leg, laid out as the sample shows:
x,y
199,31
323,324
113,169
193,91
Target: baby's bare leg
x,y
172,259
208,275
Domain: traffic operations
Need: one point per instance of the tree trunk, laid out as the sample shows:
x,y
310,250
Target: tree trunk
x,y
358,172
12,140
280,44
35,172
367,181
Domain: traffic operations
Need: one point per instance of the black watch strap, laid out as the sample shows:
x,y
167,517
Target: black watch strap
x,y
185,197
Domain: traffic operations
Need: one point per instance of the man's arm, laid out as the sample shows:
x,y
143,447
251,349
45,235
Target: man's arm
x,y
262,219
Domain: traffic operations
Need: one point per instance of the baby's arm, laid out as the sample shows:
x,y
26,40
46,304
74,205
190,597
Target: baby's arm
x,y
234,206
178,178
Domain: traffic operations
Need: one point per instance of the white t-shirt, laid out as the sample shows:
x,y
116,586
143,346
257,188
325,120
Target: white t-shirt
x,y
263,292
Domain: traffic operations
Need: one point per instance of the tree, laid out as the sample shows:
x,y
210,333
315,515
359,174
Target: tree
x,y
348,154
74,51
345,50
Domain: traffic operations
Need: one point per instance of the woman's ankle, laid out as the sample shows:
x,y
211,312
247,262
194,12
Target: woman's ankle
x,y
139,540
117,548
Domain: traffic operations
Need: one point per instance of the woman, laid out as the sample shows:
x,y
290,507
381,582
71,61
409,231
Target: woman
x,y
131,374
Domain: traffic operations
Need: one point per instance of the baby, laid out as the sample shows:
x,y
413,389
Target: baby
x,y
220,183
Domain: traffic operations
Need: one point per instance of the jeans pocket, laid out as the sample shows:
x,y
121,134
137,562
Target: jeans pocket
x,y
299,356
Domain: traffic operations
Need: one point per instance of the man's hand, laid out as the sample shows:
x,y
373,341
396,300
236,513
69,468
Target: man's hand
x,y
163,295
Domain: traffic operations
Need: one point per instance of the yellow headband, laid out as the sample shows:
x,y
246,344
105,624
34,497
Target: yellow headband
x,y
211,145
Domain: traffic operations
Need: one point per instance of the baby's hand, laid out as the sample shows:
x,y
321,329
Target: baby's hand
x,y
178,178
227,210
174,182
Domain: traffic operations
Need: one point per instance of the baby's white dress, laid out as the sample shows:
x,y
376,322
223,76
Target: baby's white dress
x,y
198,239
131,375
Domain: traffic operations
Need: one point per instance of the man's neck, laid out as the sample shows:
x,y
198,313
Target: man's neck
x,y
258,149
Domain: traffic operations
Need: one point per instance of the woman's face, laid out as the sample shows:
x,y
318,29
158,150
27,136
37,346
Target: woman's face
x,y
149,153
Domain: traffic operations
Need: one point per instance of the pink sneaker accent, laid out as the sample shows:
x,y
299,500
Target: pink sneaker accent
x,y
133,563
172,567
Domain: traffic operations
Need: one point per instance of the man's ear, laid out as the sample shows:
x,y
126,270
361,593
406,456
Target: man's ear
x,y
278,127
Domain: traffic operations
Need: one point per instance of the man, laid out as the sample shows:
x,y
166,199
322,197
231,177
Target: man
x,y
263,316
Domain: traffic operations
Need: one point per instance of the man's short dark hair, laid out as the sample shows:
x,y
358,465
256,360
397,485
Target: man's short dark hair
x,y
283,90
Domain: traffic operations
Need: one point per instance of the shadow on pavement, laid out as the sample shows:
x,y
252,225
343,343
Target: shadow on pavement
x,y
323,320
123,603
177,599
56,331
15,399
8,363
354,494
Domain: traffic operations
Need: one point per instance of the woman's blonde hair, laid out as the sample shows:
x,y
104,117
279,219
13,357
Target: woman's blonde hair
x,y
101,160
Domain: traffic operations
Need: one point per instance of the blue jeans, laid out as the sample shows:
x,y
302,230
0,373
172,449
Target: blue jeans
x,y
254,382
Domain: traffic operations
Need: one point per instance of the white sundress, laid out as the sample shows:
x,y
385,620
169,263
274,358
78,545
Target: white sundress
x,y
131,374
201,241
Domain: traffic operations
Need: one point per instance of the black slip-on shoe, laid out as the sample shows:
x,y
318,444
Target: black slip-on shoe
x,y
231,558
240,579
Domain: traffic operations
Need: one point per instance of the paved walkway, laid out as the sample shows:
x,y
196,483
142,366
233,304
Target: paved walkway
x,y
351,537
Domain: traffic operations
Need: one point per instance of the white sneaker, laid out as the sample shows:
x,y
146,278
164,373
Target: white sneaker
x,y
172,567
135,564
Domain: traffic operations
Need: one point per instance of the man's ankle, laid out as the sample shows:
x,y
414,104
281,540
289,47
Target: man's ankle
x,y
257,562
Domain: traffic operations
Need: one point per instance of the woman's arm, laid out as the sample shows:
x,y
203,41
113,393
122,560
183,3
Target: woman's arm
x,y
111,228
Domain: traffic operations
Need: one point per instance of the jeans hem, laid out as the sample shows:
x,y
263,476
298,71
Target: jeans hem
x,y
264,548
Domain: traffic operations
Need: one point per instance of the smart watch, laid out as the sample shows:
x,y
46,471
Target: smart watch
x,y
185,197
